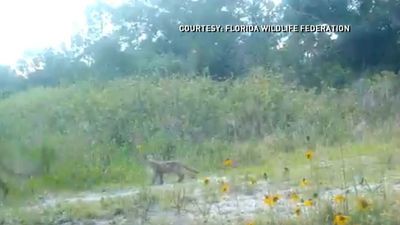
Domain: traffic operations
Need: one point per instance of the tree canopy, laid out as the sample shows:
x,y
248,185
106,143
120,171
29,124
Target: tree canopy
x,y
141,38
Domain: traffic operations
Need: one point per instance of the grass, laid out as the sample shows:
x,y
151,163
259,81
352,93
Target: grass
x,y
93,136
369,158
384,204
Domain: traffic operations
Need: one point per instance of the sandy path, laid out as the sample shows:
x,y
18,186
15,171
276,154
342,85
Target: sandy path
x,y
237,205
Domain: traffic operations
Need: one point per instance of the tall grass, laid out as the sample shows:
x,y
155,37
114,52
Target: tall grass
x,y
88,134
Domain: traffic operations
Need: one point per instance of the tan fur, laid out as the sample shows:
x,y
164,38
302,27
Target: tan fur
x,y
168,167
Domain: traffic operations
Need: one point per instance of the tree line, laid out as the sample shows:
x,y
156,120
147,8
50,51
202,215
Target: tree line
x,y
145,41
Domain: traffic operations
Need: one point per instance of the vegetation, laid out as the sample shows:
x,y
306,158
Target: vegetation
x,y
312,113
95,133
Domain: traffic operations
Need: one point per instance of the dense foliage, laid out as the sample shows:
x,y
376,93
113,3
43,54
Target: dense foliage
x,y
89,133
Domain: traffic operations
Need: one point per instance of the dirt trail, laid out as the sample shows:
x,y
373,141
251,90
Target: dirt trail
x,y
242,202
235,206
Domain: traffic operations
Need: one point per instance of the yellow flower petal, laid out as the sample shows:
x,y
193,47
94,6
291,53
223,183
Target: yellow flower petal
x,y
228,162
309,154
271,200
225,187
363,204
339,198
341,219
304,182
308,203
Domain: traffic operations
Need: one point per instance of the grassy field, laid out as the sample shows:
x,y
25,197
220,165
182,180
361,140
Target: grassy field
x,y
372,201
93,135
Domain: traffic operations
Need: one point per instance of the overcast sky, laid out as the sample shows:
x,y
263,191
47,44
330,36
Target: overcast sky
x,y
37,24
29,25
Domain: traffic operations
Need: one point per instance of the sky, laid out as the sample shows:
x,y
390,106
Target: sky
x,y
37,24
32,25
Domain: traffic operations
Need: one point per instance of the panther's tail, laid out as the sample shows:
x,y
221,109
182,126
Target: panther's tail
x,y
190,169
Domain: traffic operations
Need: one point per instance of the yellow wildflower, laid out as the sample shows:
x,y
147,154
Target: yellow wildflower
x,y
341,219
228,162
224,187
339,198
304,182
308,203
268,200
271,200
309,154
276,198
363,204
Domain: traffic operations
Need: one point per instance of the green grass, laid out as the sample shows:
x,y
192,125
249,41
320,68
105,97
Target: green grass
x,y
383,211
86,136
